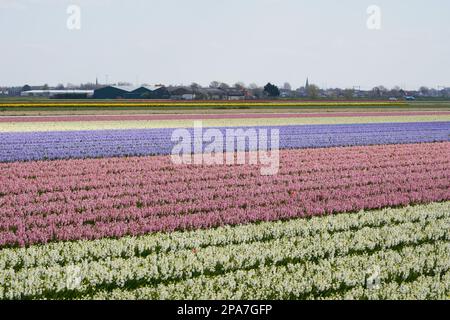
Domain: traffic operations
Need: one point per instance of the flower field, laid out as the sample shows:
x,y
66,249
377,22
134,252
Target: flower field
x,y
53,126
89,199
24,146
199,104
141,117
317,258
359,209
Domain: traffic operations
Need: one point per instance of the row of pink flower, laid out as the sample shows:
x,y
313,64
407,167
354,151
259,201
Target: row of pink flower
x,y
95,215
163,201
20,178
88,199
23,185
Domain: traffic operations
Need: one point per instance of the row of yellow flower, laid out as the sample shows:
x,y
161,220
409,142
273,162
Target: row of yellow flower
x,y
200,104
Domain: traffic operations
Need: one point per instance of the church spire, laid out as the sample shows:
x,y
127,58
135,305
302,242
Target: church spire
x,y
307,83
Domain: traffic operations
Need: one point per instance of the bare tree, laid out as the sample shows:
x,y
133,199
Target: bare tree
x,y
195,86
224,86
287,86
313,91
425,91
214,84
395,91
383,90
348,94
239,85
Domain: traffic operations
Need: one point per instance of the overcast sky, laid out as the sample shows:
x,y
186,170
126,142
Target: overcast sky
x,y
182,41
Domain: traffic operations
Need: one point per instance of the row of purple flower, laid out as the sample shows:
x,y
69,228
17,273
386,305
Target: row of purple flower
x,y
116,143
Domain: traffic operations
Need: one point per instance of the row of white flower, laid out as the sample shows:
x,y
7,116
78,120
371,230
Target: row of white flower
x,y
184,264
65,253
333,276
436,287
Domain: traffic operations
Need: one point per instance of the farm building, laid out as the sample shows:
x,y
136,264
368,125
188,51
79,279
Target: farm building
x,y
149,92
182,93
235,95
112,92
130,92
214,94
58,93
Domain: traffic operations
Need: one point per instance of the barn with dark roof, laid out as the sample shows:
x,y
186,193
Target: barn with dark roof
x,y
130,92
